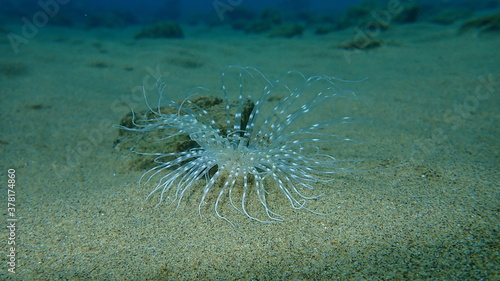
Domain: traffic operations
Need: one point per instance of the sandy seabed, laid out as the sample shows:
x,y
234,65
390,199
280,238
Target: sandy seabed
x,y
432,96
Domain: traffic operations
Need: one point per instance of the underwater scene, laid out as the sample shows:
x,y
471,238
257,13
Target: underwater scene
x,y
250,140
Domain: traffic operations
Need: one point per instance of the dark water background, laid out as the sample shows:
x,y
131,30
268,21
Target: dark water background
x,y
112,13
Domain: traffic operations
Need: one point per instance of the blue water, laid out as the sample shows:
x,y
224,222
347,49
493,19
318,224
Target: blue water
x,y
77,12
